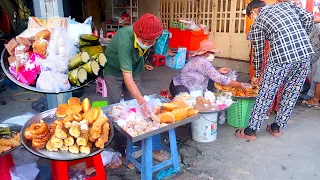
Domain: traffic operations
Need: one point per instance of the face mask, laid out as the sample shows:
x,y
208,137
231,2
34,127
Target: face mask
x,y
210,57
144,47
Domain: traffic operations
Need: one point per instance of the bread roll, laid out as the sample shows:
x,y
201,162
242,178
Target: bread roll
x,y
169,106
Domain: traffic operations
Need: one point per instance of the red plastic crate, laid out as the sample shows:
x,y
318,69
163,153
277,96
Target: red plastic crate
x,y
185,38
174,38
191,39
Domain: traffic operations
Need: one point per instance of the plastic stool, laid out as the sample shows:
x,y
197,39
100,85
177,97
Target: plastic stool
x,y
146,166
101,87
59,169
158,60
6,164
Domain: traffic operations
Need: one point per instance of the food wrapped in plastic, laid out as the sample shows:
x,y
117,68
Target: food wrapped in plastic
x,y
40,46
24,41
26,74
21,49
53,81
44,34
12,60
11,45
56,63
61,43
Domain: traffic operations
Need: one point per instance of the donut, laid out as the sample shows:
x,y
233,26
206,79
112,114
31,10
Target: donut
x,y
38,145
44,140
39,128
27,134
41,136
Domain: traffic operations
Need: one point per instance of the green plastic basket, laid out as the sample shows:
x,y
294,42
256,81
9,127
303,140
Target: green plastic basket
x,y
99,104
239,113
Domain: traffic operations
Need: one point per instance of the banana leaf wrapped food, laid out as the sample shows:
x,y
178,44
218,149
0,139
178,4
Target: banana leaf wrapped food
x,y
92,50
92,67
78,60
88,40
78,76
100,58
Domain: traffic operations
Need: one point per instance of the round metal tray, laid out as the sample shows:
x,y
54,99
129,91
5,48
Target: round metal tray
x,y
5,67
13,127
49,117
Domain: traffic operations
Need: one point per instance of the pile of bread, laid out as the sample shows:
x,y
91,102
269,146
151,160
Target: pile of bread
x,y
78,128
175,111
247,92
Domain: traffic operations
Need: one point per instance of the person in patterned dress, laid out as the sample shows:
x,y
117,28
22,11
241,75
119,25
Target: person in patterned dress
x,y
195,75
287,27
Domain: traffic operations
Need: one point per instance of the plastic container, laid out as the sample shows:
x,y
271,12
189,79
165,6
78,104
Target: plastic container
x,y
239,113
174,39
205,129
99,104
186,38
191,39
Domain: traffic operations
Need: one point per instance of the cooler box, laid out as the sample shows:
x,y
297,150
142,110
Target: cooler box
x,y
178,60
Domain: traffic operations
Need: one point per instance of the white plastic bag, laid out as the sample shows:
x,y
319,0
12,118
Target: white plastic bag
x,y
55,63
75,29
61,43
53,81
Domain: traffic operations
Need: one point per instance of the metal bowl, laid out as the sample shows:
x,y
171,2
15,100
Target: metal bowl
x,y
13,127
5,67
49,117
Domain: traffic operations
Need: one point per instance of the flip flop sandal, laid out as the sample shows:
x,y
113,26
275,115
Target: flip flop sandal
x,y
240,134
305,103
274,134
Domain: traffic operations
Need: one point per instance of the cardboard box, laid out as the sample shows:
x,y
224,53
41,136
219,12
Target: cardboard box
x,y
176,60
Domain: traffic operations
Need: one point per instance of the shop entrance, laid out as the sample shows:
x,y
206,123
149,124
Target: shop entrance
x,y
225,18
229,29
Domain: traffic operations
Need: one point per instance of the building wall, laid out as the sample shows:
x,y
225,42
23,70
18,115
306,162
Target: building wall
x,y
149,6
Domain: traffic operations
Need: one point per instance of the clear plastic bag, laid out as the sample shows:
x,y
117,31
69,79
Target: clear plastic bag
x,y
75,29
53,81
55,63
61,43
232,75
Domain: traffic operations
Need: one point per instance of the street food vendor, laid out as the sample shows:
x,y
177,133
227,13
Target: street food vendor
x,y
125,58
195,75
125,62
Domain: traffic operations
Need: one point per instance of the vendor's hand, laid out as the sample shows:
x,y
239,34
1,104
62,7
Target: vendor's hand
x,y
224,70
148,67
146,110
254,81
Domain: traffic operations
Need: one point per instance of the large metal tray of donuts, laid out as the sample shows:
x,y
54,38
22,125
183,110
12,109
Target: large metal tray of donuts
x,y
49,117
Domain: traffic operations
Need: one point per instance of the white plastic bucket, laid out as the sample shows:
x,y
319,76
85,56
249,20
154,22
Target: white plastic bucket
x,y
205,128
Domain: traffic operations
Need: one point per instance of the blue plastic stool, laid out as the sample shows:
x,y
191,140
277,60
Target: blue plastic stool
x,y
146,166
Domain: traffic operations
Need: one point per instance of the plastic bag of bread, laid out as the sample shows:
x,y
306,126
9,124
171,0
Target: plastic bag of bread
x,y
40,47
11,45
44,34
57,22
